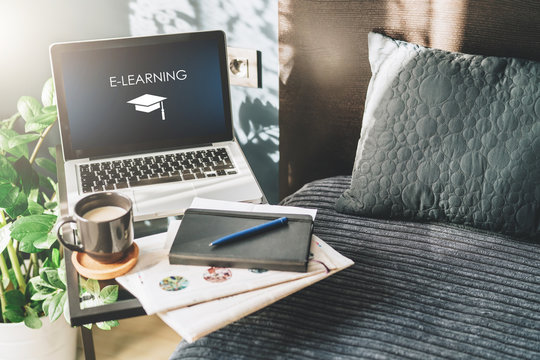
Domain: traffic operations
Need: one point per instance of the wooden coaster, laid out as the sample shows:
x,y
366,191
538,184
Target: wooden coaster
x,y
93,269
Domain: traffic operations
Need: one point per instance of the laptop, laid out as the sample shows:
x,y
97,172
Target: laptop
x,y
150,117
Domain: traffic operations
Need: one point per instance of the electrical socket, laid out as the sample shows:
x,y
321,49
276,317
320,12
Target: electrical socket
x,y
244,67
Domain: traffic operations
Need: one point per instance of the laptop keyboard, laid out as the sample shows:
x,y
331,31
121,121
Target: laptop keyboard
x,y
149,170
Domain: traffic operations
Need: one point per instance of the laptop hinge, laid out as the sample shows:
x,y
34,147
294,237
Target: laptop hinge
x,y
221,143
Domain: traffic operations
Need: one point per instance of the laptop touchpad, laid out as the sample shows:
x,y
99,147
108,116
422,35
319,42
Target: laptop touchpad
x,y
159,199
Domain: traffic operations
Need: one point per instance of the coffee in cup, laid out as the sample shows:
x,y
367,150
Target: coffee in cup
x,y
104,213
104,225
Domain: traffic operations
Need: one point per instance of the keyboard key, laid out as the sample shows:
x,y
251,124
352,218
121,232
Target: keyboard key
x,y
189,176
143,182
122,185
222,167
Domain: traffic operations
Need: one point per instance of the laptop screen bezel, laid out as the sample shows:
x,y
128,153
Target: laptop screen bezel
x,y
56,52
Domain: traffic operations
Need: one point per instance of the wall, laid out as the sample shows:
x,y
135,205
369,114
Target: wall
x,y
27,28
248,24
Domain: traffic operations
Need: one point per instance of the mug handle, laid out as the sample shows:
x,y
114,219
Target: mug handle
x,y
64,220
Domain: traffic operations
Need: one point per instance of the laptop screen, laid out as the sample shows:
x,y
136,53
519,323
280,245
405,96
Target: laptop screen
x,y
142,94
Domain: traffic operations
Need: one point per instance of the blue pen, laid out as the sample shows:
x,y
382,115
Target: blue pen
x,y
251,231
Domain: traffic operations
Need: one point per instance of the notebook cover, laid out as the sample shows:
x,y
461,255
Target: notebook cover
x,y
284,248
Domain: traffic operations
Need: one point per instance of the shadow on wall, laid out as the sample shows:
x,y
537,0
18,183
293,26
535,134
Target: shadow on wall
x,y
248,24
258,122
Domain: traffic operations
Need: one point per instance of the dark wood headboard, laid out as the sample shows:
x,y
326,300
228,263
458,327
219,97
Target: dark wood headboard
x,y
324,69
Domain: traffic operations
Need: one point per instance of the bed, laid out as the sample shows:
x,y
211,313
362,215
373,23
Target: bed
x,y
446,270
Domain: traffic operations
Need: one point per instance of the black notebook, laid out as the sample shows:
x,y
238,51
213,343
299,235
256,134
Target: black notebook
x,y
284,248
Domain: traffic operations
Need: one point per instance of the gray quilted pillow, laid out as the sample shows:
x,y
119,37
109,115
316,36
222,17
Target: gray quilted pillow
x,y
449,137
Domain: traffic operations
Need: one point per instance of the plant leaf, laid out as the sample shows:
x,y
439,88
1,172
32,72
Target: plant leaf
x,y
28,107
11,119
49,109
47,164
15,298
56,307
22,139
43,288
107,325
32,319
47,93
4,238
18,151
56,260
27,175
42,295
82,286
47,263
109,294
5,282
8,195
45,184
66,312
29,248
14,314
62,271
34,209
40,122
51,205
33,195
52,152
13,278
32,228
8,174
51,276
18,207
46,303
92,286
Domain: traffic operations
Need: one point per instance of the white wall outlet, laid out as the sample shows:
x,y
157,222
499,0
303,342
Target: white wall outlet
x,y
244,67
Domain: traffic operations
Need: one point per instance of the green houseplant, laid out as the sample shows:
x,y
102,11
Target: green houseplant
x,y
32,271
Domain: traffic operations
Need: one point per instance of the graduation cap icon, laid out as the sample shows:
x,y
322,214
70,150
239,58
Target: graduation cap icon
x,y
147,103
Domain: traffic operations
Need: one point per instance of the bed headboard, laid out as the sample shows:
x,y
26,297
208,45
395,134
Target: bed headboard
x,y
324,69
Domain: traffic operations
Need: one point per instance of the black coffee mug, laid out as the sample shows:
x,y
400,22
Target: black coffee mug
x,y
104,225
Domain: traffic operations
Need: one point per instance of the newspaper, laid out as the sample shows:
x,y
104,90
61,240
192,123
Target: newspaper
x,y
203,299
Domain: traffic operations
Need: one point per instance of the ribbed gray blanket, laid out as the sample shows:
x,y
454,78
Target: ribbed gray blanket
x,y
416,291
